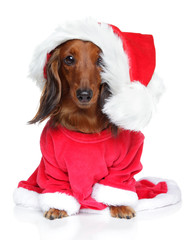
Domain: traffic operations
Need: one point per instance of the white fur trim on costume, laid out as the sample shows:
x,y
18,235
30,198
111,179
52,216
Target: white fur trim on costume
x,y
172,196
45,201
59,201
101,193
114,196
26,198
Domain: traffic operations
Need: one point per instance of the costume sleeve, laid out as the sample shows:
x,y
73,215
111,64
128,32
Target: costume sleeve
x,y
118,187
54,180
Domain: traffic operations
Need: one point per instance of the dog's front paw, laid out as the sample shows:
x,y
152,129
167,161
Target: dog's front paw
x,y
53,213
122,212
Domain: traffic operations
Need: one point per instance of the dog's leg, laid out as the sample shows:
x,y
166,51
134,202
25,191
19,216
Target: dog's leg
x,y
122,212
53,213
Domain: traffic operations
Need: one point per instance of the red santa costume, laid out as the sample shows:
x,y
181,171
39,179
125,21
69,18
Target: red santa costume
x,y
93,171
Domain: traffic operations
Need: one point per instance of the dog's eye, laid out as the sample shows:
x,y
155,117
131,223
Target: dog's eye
x,y
99,62
69,60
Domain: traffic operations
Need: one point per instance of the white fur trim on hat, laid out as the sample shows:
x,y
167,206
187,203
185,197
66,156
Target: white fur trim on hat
x,y
131,104
88,30
132,107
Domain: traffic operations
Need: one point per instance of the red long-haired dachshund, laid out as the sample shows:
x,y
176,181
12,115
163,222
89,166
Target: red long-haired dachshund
x,y
73,97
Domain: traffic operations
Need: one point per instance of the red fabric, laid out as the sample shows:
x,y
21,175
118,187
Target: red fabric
x,y
146,189
73,162
140,50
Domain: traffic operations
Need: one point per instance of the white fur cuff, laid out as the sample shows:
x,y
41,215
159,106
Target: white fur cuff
x,y
45,201
60,201
114,196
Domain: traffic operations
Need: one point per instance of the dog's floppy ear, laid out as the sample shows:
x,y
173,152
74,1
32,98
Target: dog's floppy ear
x,y
105,93
51,94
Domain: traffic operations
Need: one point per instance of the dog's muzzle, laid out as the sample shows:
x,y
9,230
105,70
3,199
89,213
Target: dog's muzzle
x,y
84,95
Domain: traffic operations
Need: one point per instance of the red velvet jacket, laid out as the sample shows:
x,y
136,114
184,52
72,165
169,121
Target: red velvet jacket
x,y
91,171
86,167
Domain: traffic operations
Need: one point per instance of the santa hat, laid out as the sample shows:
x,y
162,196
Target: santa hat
x,y
129,63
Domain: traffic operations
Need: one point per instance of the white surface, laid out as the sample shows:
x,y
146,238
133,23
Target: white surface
x,y
152,225
168,144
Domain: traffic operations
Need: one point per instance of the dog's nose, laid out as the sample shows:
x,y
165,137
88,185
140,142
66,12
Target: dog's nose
x,y
84,95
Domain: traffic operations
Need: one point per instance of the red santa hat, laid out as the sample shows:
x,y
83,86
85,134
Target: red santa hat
x,y
129,63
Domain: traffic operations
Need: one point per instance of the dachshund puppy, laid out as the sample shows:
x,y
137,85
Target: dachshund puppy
x,y
73,97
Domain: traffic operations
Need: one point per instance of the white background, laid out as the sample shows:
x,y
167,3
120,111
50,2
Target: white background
x,y
168,145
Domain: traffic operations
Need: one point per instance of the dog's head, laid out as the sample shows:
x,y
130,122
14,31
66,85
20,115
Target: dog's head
x,y
73,79
80,71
